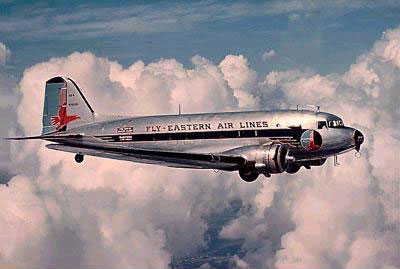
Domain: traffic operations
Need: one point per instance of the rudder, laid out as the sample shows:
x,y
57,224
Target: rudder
x,y
64,105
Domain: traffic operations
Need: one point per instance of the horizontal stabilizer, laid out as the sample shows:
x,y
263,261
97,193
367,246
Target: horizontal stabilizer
x,y
53,137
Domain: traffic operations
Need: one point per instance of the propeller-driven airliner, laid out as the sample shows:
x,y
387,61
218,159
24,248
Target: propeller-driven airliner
x,y
252,143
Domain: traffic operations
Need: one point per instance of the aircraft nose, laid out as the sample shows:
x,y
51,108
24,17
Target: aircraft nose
x,y
358,139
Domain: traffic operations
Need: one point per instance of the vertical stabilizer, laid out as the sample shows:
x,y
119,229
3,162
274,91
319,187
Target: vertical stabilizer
x,y
64,105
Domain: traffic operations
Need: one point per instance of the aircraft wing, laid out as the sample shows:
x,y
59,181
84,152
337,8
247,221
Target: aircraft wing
x,y
167,158
72,143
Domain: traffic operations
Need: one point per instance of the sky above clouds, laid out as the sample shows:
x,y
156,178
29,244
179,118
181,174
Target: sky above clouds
x,y
326,36
150,57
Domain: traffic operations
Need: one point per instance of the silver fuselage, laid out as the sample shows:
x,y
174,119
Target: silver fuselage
x,y
221,132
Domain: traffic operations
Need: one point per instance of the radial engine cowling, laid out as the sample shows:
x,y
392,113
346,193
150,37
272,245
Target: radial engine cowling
x,y
275,159
270,159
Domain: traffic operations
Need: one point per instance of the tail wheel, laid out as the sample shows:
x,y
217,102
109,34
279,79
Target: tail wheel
x,y
79,158
248,175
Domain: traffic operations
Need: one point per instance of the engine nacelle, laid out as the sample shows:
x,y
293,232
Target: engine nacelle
x,y
275,159
270,159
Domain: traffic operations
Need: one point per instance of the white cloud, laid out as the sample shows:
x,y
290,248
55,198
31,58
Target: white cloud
x,y
389,47
241,78
294,17
268,55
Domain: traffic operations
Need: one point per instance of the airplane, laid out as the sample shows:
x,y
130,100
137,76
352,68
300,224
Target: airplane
x,y
251,142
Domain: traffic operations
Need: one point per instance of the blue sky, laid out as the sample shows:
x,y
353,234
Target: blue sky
x,y
325,36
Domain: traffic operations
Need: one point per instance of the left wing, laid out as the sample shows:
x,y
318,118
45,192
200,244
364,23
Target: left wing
x,y
167,158
88,145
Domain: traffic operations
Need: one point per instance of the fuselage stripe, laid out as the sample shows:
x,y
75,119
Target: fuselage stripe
x,y
289,135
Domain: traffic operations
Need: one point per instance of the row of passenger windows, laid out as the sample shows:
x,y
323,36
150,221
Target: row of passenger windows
x,y
203,135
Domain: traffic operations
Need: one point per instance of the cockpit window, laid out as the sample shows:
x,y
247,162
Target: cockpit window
x,y
335,123
321,124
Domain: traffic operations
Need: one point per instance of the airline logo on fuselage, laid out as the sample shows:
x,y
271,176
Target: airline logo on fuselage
x,y
311,140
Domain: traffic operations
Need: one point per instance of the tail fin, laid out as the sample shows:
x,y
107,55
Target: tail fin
x,y
64,105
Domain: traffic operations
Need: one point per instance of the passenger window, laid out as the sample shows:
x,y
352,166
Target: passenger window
x,y
322,124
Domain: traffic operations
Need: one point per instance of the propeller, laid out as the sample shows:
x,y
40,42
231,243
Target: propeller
x,y
358,139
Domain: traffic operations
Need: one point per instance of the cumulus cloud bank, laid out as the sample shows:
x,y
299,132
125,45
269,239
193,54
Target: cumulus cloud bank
x,y
106,212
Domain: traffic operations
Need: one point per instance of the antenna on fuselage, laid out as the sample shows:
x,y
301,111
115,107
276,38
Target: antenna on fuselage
x,y
316,107
179,109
